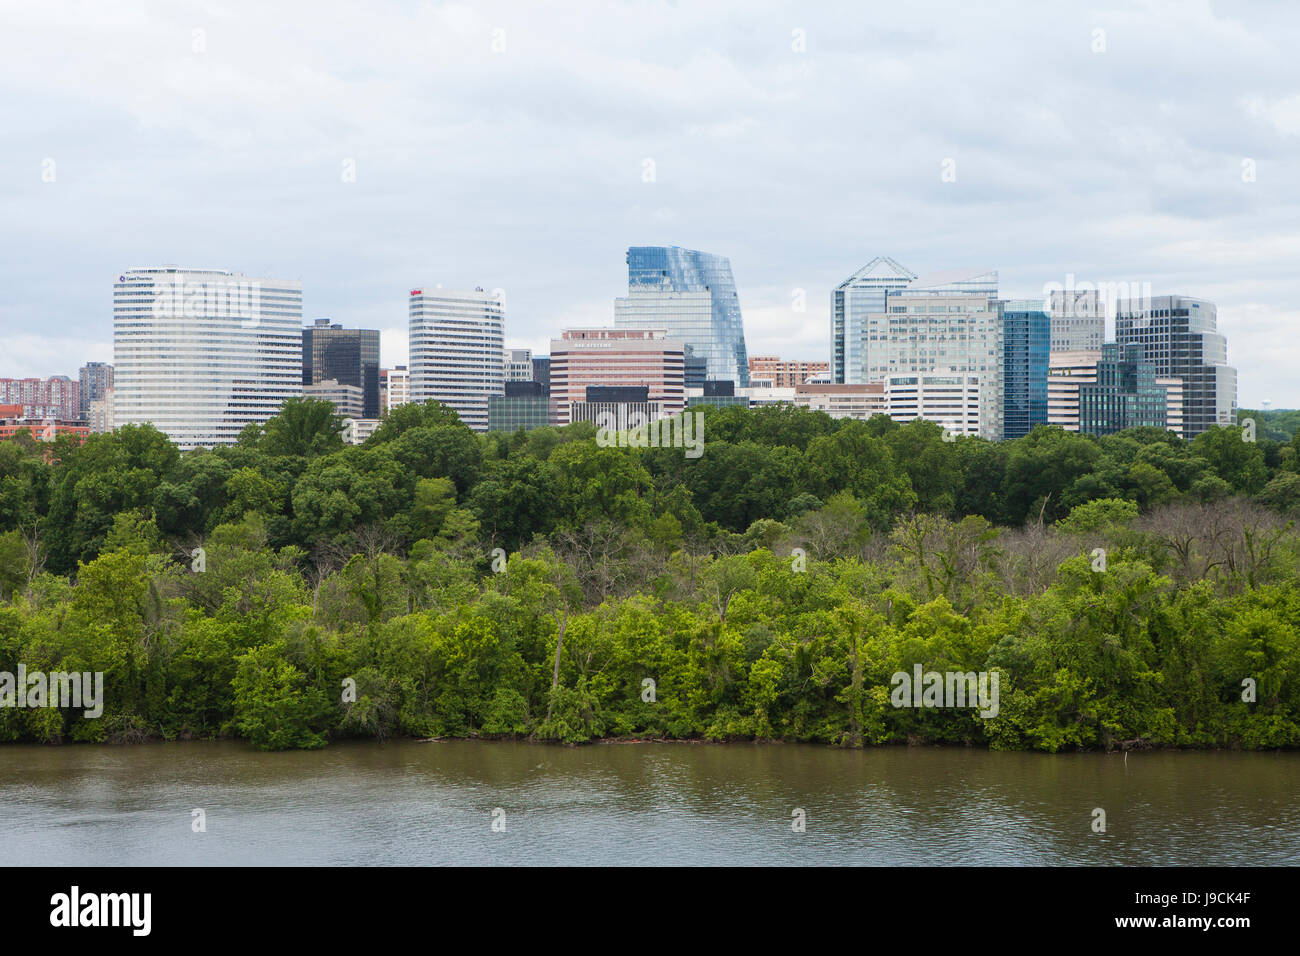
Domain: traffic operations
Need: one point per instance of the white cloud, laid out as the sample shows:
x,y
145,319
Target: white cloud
x,y
523,169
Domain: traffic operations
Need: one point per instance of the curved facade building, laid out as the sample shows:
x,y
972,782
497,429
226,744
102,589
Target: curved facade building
x,y
692,296
202,353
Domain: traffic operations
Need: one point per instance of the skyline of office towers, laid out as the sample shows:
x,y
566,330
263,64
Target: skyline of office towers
x,y
345,356
617,357
947,324
692,296
202,353
456,341
889,324
1078,319
1125,394
858,296
1026,333
95,379
1179,336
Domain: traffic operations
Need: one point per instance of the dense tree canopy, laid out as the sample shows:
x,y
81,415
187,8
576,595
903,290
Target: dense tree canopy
x,y
1125,588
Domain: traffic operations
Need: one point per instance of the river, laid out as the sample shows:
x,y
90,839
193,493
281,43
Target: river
x,y
410,802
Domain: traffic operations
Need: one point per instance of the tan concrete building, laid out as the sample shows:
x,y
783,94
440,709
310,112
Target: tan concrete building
x,y
1066,371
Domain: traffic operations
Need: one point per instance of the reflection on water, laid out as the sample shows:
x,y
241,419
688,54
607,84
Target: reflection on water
x,y
407,802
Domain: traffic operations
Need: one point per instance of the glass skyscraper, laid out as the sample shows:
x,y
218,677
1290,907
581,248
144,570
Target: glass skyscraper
x,y
347,356
1179,336
858,296
1026,340
691,295
1125,394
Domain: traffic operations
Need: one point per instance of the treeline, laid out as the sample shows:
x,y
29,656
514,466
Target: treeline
x,y
1131,590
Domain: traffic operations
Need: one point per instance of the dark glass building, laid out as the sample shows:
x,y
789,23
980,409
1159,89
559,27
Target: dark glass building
x,y
542,372
347,356
1179,336
1026,343
524,405
1125,394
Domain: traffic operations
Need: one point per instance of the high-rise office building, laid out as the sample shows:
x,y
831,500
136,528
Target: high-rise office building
x,y
202,353
542,372
691,295
1078,319
1179,336
346,356
887,323
457,344
100,414
860,295
1125,394
96,379
1026,335
1067,370
617,357
518,365
396,387
951,399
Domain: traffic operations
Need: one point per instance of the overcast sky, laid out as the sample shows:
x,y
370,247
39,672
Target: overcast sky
x,y
526,146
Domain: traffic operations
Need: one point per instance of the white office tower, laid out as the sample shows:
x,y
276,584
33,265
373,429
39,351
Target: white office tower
x,y
952,399
398,391
202,353
457,343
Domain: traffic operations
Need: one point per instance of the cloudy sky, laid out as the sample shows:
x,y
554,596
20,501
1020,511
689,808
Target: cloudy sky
x,y
526,146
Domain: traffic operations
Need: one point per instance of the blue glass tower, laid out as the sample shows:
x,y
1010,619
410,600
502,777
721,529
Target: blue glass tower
x,y
1027,335
692,295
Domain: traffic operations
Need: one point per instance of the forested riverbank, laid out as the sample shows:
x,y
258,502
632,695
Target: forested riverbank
x,y
1133,590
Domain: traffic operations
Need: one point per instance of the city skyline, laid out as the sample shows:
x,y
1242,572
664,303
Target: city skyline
x,y
318,163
